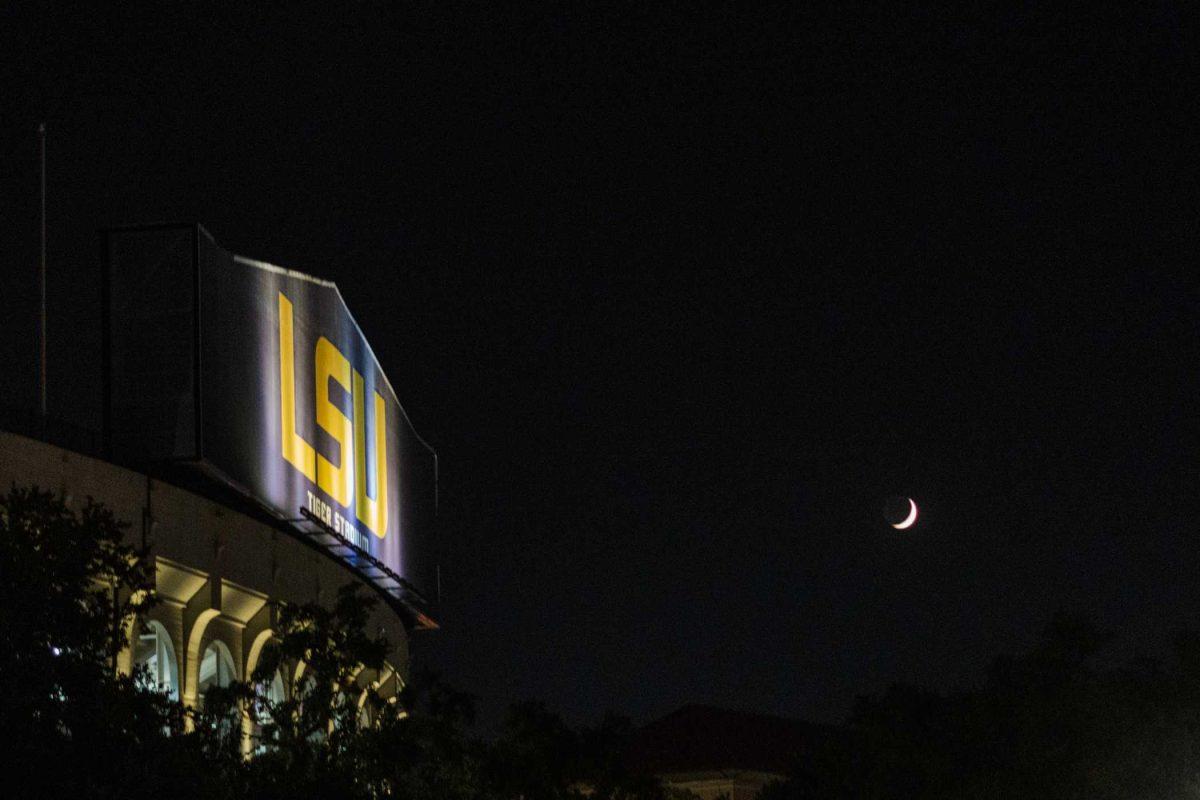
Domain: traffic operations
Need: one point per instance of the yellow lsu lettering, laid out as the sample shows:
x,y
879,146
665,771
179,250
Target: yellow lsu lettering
x,y
346,480
373,513
335,480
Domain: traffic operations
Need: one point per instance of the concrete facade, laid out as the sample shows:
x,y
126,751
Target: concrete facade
x,y
216,569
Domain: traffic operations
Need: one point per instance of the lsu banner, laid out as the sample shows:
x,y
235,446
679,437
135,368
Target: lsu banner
x,y
279,393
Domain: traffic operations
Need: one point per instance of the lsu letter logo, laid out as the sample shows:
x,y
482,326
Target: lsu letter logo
x,y
346,481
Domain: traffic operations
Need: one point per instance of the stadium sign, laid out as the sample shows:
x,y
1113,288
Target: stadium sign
x,y
260,377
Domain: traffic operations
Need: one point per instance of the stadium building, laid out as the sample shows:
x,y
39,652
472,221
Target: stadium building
x,y
253,442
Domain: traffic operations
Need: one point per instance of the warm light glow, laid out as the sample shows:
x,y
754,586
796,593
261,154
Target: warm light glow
x,y
912,517
371,512
296,451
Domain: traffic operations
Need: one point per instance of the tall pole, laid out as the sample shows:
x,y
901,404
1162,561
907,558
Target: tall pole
x,y
42,279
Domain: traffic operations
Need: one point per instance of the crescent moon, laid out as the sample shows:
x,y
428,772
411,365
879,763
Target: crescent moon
x,y
912,517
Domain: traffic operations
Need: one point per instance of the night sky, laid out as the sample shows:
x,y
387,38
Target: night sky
x,y
680,297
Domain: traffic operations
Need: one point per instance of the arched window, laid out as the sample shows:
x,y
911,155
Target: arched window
x,y
274,693
154,660
271,695
216,668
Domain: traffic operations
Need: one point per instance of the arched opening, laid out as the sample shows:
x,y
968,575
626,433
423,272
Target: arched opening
x,y
270,697
274,693
154,660
216,669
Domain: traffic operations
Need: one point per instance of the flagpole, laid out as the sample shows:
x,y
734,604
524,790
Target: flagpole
x,y
42,277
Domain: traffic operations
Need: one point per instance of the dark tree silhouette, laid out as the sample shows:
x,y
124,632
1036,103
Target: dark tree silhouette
x,y
1058,722
69,591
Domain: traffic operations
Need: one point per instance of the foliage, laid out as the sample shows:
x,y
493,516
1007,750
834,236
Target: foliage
x,y
1054,723
429,751
1057,722
311,742
70,590
538,757
69,586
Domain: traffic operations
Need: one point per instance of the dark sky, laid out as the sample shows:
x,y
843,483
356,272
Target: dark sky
x,y
680,296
